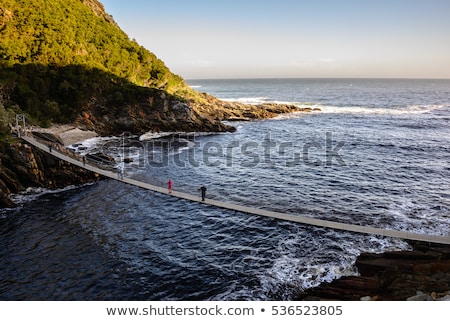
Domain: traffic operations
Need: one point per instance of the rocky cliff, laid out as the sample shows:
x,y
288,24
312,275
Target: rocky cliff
x,y
146,113
162,112
22,166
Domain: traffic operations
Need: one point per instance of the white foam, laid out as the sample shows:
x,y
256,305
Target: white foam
x,y
330,109
415,218
248,100
33,193
153,135
413,109
86,146
302,271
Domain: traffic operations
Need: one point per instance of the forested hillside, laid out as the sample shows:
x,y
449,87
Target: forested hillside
x,y
57,55
67,32
67,62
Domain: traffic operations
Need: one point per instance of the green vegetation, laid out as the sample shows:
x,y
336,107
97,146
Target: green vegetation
x,y
57,55
57,94
5,118
64,32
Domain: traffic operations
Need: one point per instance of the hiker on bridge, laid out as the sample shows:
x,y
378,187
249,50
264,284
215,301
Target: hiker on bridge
x,y
203,190
169,186
119,172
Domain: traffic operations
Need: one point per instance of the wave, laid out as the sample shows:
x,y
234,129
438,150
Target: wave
x,y
86,146
265,100
332,109
422,219
33,193
153,135
175,135
293,270
408,110
249,100
358,110
340,253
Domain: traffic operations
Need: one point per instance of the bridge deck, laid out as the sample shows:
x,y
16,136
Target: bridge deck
x,y
245,209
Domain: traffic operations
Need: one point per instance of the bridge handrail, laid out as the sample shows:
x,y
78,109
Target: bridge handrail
x,y
245,209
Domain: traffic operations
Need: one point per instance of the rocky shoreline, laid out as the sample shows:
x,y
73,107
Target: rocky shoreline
x,y
422,274
22,166
164,113
225,110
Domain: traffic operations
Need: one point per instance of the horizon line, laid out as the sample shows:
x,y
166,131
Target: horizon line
x,y
300,77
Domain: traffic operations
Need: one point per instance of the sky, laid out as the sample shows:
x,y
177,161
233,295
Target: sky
x,y
200,39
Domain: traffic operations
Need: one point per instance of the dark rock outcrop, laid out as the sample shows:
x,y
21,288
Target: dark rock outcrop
x,y
22,166
160,112
224,110
420,274
156,113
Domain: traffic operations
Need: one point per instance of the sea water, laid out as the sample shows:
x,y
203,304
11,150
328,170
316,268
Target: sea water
x,y
377,154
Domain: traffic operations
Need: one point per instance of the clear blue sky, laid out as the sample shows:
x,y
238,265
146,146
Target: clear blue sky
x,y
292,38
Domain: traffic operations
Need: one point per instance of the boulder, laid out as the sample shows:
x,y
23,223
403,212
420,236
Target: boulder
x,y
420,274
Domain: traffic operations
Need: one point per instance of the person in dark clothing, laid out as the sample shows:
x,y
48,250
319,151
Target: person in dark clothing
x,y
203,190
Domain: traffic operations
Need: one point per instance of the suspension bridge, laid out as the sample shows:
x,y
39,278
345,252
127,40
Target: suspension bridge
x,y
25,133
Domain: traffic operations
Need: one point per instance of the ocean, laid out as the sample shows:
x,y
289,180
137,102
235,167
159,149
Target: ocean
x,y
377,154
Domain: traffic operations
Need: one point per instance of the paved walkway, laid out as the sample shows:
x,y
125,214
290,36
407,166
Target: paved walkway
x,y
244,209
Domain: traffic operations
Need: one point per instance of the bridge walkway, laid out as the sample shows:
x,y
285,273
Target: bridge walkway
x,y
244,209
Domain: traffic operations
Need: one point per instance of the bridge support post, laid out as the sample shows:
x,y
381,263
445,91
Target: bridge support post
x,y
20,124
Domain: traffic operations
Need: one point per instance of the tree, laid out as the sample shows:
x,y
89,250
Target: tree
x,y
3,120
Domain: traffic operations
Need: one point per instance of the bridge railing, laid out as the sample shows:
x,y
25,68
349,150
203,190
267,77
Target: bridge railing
x,y
253,210
25,127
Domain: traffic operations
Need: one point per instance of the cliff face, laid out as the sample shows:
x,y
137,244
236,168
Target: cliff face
x,y
98,9
22,166
161,112
147,111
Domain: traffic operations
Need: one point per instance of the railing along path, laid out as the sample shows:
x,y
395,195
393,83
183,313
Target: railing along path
x,y
240,208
